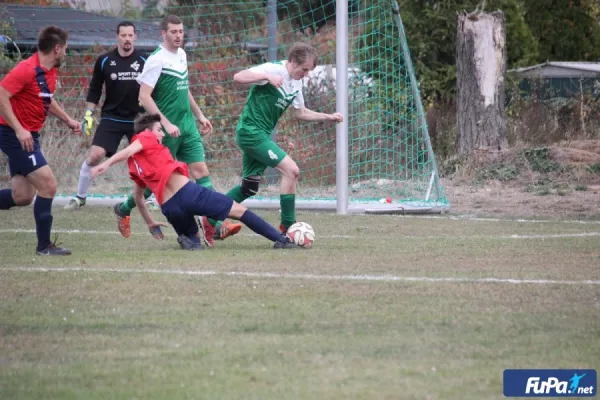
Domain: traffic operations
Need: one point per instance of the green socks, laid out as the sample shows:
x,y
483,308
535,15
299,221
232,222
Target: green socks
x,y
288,209
129,204
236,194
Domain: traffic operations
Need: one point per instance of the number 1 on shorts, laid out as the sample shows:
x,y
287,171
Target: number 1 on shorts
x,y
33,159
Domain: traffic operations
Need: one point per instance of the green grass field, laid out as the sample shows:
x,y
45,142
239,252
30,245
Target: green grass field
x,y
383,307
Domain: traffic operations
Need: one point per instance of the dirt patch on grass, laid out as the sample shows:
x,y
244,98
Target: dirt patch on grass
x,y
562,180
500,199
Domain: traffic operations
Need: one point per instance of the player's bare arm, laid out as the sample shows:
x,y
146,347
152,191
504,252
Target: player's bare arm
x,y
56,110
246,77
206,125
8,114
140,201
150,106
305,114
120,156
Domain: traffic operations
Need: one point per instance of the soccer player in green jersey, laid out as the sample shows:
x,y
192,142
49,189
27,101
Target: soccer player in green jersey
x,y
276,86
164,91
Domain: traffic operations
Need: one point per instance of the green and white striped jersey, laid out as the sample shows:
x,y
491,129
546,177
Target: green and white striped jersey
x,y
266,103
167,73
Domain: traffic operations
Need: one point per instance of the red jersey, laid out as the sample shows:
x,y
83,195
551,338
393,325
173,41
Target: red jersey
x,y
31,87
153,166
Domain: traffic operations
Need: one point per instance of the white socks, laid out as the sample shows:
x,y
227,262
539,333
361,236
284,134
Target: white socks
x,y
85,180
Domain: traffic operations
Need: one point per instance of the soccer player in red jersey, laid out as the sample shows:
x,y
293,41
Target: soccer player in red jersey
x,y
26,98
152,166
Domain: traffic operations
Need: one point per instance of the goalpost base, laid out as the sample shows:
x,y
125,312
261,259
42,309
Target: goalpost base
x,y
408,207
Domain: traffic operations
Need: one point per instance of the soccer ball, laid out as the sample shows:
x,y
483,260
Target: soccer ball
x,y
302,234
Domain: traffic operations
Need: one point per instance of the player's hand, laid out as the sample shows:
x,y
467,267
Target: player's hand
x,y
337,117
172,130
99,170
25,139
88,123
75,126
155,230
275,80
206,125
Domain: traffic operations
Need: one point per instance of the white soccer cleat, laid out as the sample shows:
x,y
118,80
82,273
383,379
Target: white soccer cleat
x,y
75,203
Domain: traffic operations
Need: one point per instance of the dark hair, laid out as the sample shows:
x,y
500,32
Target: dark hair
x,y
124,24
300,52
170,19
51,36
145,121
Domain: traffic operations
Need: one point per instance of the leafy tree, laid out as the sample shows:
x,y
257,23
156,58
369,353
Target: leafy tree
x,y
567,30
430,27
7,33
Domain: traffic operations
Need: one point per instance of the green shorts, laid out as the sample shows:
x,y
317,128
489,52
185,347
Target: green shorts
x,y
258,151
188,147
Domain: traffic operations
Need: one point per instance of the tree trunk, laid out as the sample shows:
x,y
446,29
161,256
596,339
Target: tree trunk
x,y
480,70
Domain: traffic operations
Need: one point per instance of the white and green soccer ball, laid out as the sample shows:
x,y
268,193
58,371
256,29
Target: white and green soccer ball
x,y
301,234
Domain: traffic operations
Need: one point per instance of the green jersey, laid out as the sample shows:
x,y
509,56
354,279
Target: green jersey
x,y
266,103
167,74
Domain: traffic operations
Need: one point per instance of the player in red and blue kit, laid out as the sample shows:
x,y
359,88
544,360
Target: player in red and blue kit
x,y
26,98
152,166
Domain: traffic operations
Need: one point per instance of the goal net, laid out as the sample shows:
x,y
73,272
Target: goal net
x,y
389,154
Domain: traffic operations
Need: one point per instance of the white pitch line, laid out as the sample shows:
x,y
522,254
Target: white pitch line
x,y
94,232
501,237
550,236
313,277
482,219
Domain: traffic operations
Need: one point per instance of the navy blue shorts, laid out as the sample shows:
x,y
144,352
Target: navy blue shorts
x,y
21,162
193,199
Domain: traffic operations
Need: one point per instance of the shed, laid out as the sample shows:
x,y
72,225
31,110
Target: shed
x,y
87,29
559,78
559,69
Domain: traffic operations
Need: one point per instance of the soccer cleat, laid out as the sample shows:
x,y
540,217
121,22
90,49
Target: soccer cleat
x,y
285,244
75,203
123,221
208,230
227,229
53,250
188,244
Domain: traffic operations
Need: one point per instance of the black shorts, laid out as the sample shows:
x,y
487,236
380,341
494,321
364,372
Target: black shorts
x,y
110,133
21,162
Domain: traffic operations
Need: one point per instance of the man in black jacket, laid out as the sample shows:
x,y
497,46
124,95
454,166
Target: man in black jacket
x,y
117,70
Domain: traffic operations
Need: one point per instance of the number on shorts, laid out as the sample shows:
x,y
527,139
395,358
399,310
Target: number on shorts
x,y
33,160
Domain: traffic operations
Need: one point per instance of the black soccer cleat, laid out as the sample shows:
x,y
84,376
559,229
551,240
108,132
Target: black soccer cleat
x,y
188,244
53,250
286,243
